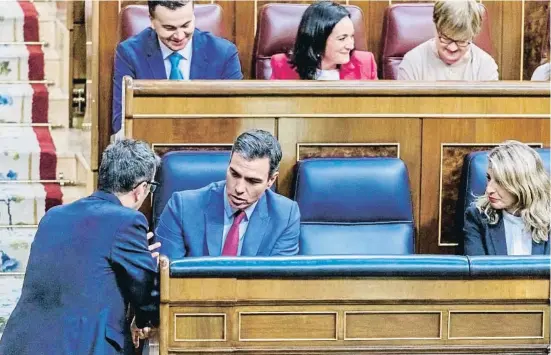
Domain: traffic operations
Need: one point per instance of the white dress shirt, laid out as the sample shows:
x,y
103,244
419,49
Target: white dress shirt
x,y
185,62
519,240
229,214
328,74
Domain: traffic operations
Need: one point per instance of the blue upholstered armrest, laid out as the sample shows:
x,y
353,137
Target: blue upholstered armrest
x,y
431,266
536,266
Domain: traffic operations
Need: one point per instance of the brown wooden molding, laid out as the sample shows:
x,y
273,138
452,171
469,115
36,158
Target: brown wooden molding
x,y
336,88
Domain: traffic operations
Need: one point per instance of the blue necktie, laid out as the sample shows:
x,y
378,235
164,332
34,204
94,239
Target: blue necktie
x,y
175,73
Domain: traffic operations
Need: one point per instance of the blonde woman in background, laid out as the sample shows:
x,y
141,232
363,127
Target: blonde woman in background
x,y
513,217
451,54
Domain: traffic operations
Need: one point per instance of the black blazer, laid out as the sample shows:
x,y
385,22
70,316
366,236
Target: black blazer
x,y
482,238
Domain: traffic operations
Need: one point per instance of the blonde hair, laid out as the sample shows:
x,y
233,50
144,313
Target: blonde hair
x,y
458,19
519,170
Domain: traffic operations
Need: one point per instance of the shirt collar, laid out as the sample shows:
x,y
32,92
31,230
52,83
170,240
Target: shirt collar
x,y
231,211
184,52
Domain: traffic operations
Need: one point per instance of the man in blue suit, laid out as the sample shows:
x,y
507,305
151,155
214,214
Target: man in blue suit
x,y
239,216
172,49
88,261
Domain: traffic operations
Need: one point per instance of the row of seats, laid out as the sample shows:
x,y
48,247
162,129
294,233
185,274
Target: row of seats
x,y
405,27
426,266
366,202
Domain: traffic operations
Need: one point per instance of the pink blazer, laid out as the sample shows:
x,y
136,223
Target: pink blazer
x,y
360,67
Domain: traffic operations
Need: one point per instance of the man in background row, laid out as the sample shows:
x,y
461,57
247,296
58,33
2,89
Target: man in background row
x,y
172,48
88,261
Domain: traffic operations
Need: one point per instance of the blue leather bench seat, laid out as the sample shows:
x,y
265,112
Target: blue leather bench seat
x,y
323,266
419,266
354,206
510,266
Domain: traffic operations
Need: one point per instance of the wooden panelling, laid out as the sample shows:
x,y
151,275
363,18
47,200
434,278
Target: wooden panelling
x,y
353,119
78,11
495,14
79,52
108,18
360,315
438,132
511,53
281,326
190,290
199,327
198,130
507,325
347,150
245,19
392,325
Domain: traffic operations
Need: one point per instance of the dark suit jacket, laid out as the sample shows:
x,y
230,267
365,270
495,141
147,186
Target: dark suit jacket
x,y
193,221
361,66
88,260
482,238
140,57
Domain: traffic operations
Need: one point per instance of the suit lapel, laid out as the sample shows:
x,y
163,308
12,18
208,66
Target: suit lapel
x,y
214,221
497,237
348,70
199,64
257,228
538,248
155,57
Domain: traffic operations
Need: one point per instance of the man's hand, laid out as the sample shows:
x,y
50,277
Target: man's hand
x,y
138,333
153,247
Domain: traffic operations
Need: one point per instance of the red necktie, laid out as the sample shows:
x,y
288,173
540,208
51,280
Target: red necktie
x,y
232,239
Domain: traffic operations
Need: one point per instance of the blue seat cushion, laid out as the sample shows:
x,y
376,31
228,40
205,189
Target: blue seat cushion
x,y
365,239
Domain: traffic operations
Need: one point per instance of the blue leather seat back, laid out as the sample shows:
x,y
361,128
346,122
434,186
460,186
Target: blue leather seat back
x,y
354,206
187,170
473,181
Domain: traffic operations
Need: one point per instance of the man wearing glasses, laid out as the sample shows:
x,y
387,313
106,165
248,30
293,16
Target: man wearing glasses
x,y
451,55
88,261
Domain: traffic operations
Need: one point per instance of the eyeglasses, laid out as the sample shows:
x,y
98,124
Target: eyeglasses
x,y
447,41
153,184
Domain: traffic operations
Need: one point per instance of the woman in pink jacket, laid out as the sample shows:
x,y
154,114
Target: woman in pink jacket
x,y
324,48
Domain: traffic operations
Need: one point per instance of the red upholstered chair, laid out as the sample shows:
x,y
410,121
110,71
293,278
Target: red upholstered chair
x,y
135,18
277,28
408,25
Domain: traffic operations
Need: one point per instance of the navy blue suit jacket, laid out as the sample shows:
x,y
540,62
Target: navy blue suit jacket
x,y
192,224
482,238
140,57
89,259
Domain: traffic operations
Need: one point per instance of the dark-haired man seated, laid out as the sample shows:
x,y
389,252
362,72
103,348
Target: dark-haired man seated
x,y
172,48
238,216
